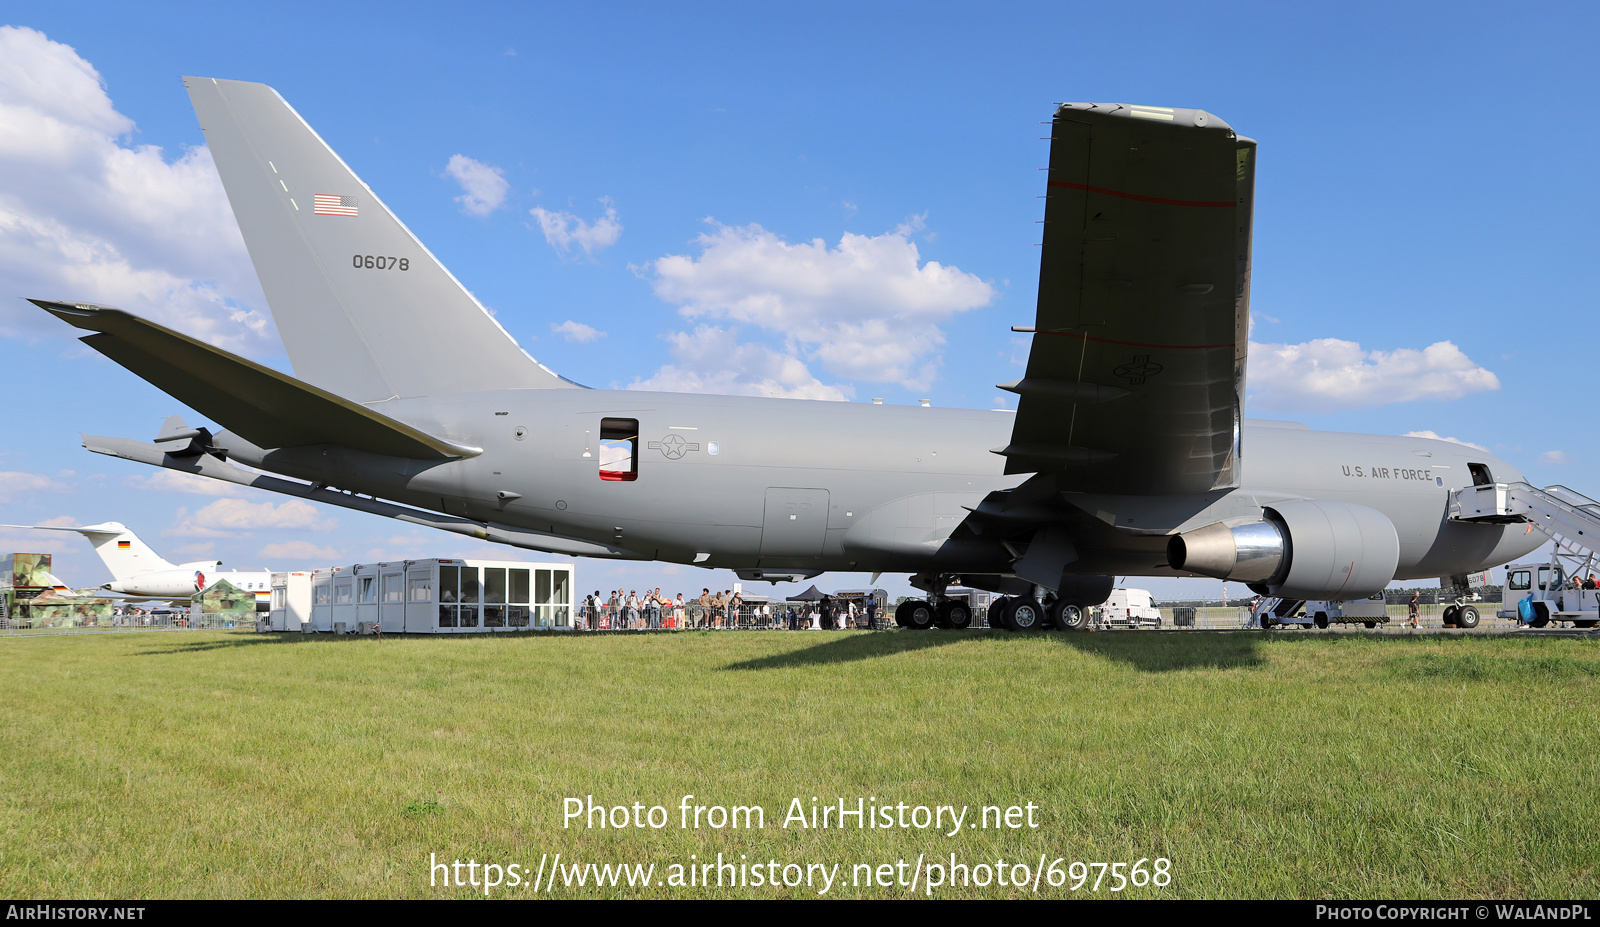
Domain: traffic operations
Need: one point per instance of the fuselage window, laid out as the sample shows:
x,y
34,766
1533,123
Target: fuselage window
x,y
619,449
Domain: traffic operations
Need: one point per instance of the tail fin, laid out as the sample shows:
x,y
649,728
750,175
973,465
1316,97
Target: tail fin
x,y
120,549
365,311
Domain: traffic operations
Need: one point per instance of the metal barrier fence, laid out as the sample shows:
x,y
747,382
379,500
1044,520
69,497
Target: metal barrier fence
x,y
694,617
171,621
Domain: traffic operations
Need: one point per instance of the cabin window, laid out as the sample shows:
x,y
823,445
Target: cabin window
x,y
1519,580
494,597
458,597
1544,577
519,599
391,587
369,590
319,595
619,449
419,589
1480,474
342,593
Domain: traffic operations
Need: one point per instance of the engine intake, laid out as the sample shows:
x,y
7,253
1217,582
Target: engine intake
x,y
1301,550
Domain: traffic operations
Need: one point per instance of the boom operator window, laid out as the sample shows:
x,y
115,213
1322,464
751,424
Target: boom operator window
x,y
619,449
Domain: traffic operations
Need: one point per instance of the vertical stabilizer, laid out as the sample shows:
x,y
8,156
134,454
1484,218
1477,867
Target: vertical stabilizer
x,y
364,309
120,549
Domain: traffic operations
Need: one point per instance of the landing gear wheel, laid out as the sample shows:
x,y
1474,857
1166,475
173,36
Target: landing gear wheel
x,y
953,614
1065,616
900,613
919,615
997,614
1541,615
1449,617
1025,614
1321,620
1466,617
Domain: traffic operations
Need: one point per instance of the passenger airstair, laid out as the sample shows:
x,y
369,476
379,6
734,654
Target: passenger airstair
x,y
1274,612
1567,516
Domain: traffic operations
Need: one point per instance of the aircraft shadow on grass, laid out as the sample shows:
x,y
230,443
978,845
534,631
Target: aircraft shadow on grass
x,y
214,644
1150,653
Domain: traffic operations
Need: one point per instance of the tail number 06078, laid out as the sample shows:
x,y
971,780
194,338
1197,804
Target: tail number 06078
x,y
379,262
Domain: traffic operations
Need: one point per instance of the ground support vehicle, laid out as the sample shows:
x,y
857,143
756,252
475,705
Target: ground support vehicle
x,y
1371,611
1538,594
1128,608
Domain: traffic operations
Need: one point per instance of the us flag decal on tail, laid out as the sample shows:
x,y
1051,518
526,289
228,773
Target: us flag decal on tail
x,y
329,204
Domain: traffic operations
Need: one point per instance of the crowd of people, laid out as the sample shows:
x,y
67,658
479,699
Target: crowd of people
x,y
655,610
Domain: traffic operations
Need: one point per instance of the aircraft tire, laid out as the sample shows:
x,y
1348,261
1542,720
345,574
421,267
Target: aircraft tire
x,y
1467,617
900,613
1025,614
920,615
1068,617
997,614
1449,616
1322,620
955,615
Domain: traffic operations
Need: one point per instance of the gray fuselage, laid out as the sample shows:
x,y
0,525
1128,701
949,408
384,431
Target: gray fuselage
x,y
745,482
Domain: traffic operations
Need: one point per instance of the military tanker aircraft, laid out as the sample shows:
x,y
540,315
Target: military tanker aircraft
x,y
1128,453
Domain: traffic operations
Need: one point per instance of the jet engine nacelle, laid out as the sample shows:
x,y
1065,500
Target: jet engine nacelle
x,y
1301,550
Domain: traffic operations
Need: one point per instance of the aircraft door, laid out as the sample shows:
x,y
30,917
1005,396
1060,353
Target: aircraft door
x,y
795,523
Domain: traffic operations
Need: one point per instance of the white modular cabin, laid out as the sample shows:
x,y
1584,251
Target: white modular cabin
x,y
323,595
442,596
291,602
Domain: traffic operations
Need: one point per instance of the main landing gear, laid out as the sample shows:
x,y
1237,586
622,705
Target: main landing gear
x,y
1027,613
920,615
1043,610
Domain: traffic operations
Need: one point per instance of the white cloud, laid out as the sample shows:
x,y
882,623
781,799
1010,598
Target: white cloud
x,y
299,550
84,216
576,331
201,550
232,517
711,360
1554,458
484,186
1439,437
867,309
562,230
1328,373
176,481
16,485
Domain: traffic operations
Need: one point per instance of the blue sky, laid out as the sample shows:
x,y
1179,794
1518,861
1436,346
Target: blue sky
x,y
607,177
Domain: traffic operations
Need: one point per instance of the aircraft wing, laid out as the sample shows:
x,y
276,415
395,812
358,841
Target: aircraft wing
x,y
264,406
1135,380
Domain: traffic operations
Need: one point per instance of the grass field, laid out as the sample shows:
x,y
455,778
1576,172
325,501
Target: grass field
x,y
234,764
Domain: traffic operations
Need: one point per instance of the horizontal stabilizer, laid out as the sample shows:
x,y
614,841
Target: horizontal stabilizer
x,y
217,469
264,406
